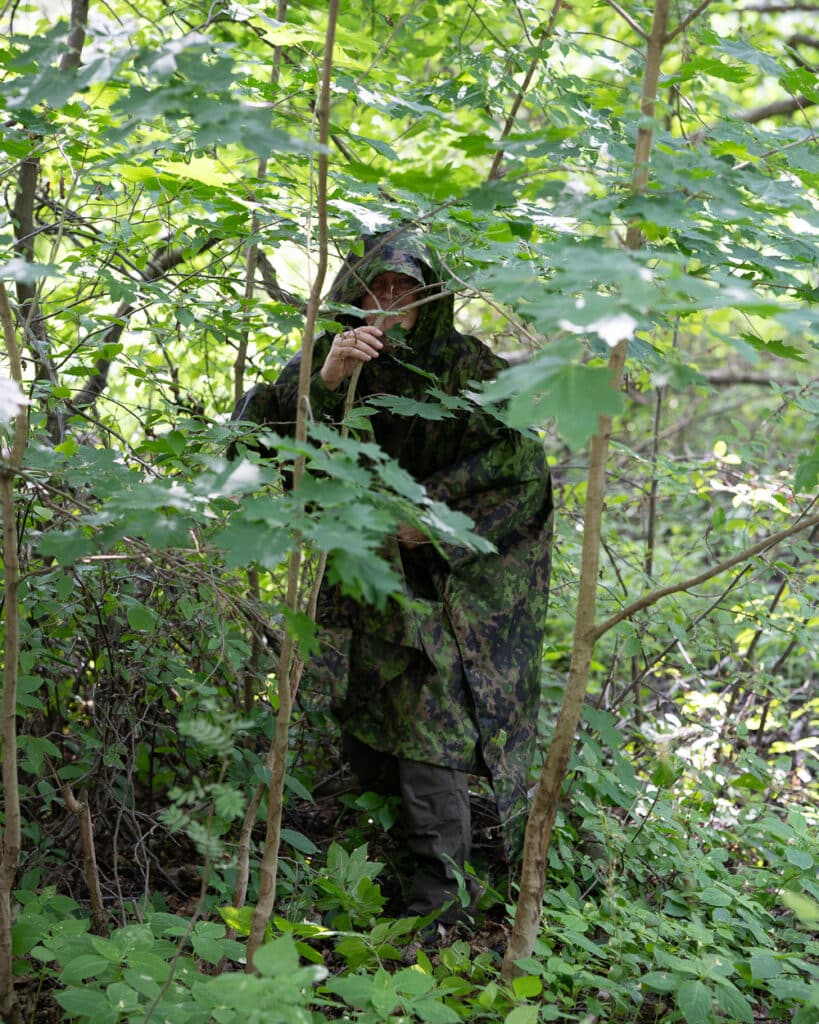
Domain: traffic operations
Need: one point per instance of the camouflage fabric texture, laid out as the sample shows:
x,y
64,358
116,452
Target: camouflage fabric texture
x,y
456,683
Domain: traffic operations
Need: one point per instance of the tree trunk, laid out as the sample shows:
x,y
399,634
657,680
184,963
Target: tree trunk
x,y
10,837
544,806
289,669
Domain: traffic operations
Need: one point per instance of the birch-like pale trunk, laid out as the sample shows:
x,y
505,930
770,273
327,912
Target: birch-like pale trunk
x,y
289,666
544,806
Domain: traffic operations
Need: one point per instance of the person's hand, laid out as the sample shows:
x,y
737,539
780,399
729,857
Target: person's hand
x,y
410,536
358,345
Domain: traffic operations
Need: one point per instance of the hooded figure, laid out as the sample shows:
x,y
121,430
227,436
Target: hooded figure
x,y
426,697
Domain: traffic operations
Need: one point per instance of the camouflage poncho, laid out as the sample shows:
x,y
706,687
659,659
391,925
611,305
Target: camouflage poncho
x,y
456,684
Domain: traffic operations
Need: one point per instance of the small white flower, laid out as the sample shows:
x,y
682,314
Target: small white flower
x,y
613,329
12,399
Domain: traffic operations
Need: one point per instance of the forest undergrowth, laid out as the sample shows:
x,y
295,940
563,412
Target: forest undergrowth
x,y
681,882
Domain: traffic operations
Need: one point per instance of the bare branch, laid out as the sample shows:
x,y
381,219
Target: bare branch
x,y
691,16
653,596
72,58
82,812
780,108
779,8
638,28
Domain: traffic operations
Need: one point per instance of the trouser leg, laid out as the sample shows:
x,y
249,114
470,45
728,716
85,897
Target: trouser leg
x,y
439,827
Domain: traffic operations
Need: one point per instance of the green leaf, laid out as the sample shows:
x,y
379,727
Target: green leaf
x,y
712,67
355,989
807,471
433,1012
576,396
149,965
140,618
732,1002
23,272
764,967
527,987
660,981
122,997
805,909
522,1015
750,781
716,897
411,981
800,858
694,999
89,1003
605,725
667,770
237,918
277,958
402,406
209,949
299,841
303,629
88,965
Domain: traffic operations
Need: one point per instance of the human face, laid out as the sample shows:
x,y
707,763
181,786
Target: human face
x,y
391,290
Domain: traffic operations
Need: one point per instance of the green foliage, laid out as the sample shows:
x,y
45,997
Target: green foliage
x,y
682,881
141,971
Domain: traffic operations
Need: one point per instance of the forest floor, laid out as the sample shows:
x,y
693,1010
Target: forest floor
x,y
335,815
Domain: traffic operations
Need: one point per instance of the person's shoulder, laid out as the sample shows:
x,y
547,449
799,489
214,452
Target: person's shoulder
x,y
259,404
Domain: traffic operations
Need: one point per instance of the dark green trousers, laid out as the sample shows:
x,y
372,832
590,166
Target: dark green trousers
x,y
436,819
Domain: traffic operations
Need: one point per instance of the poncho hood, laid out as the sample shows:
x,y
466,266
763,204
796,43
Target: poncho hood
x,y
402,251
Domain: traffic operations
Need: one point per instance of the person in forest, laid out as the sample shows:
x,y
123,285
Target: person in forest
x,y
424,698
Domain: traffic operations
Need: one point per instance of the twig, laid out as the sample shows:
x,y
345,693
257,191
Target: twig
x,y
513,113
654,596
778,108
80,809
691,16
638,28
